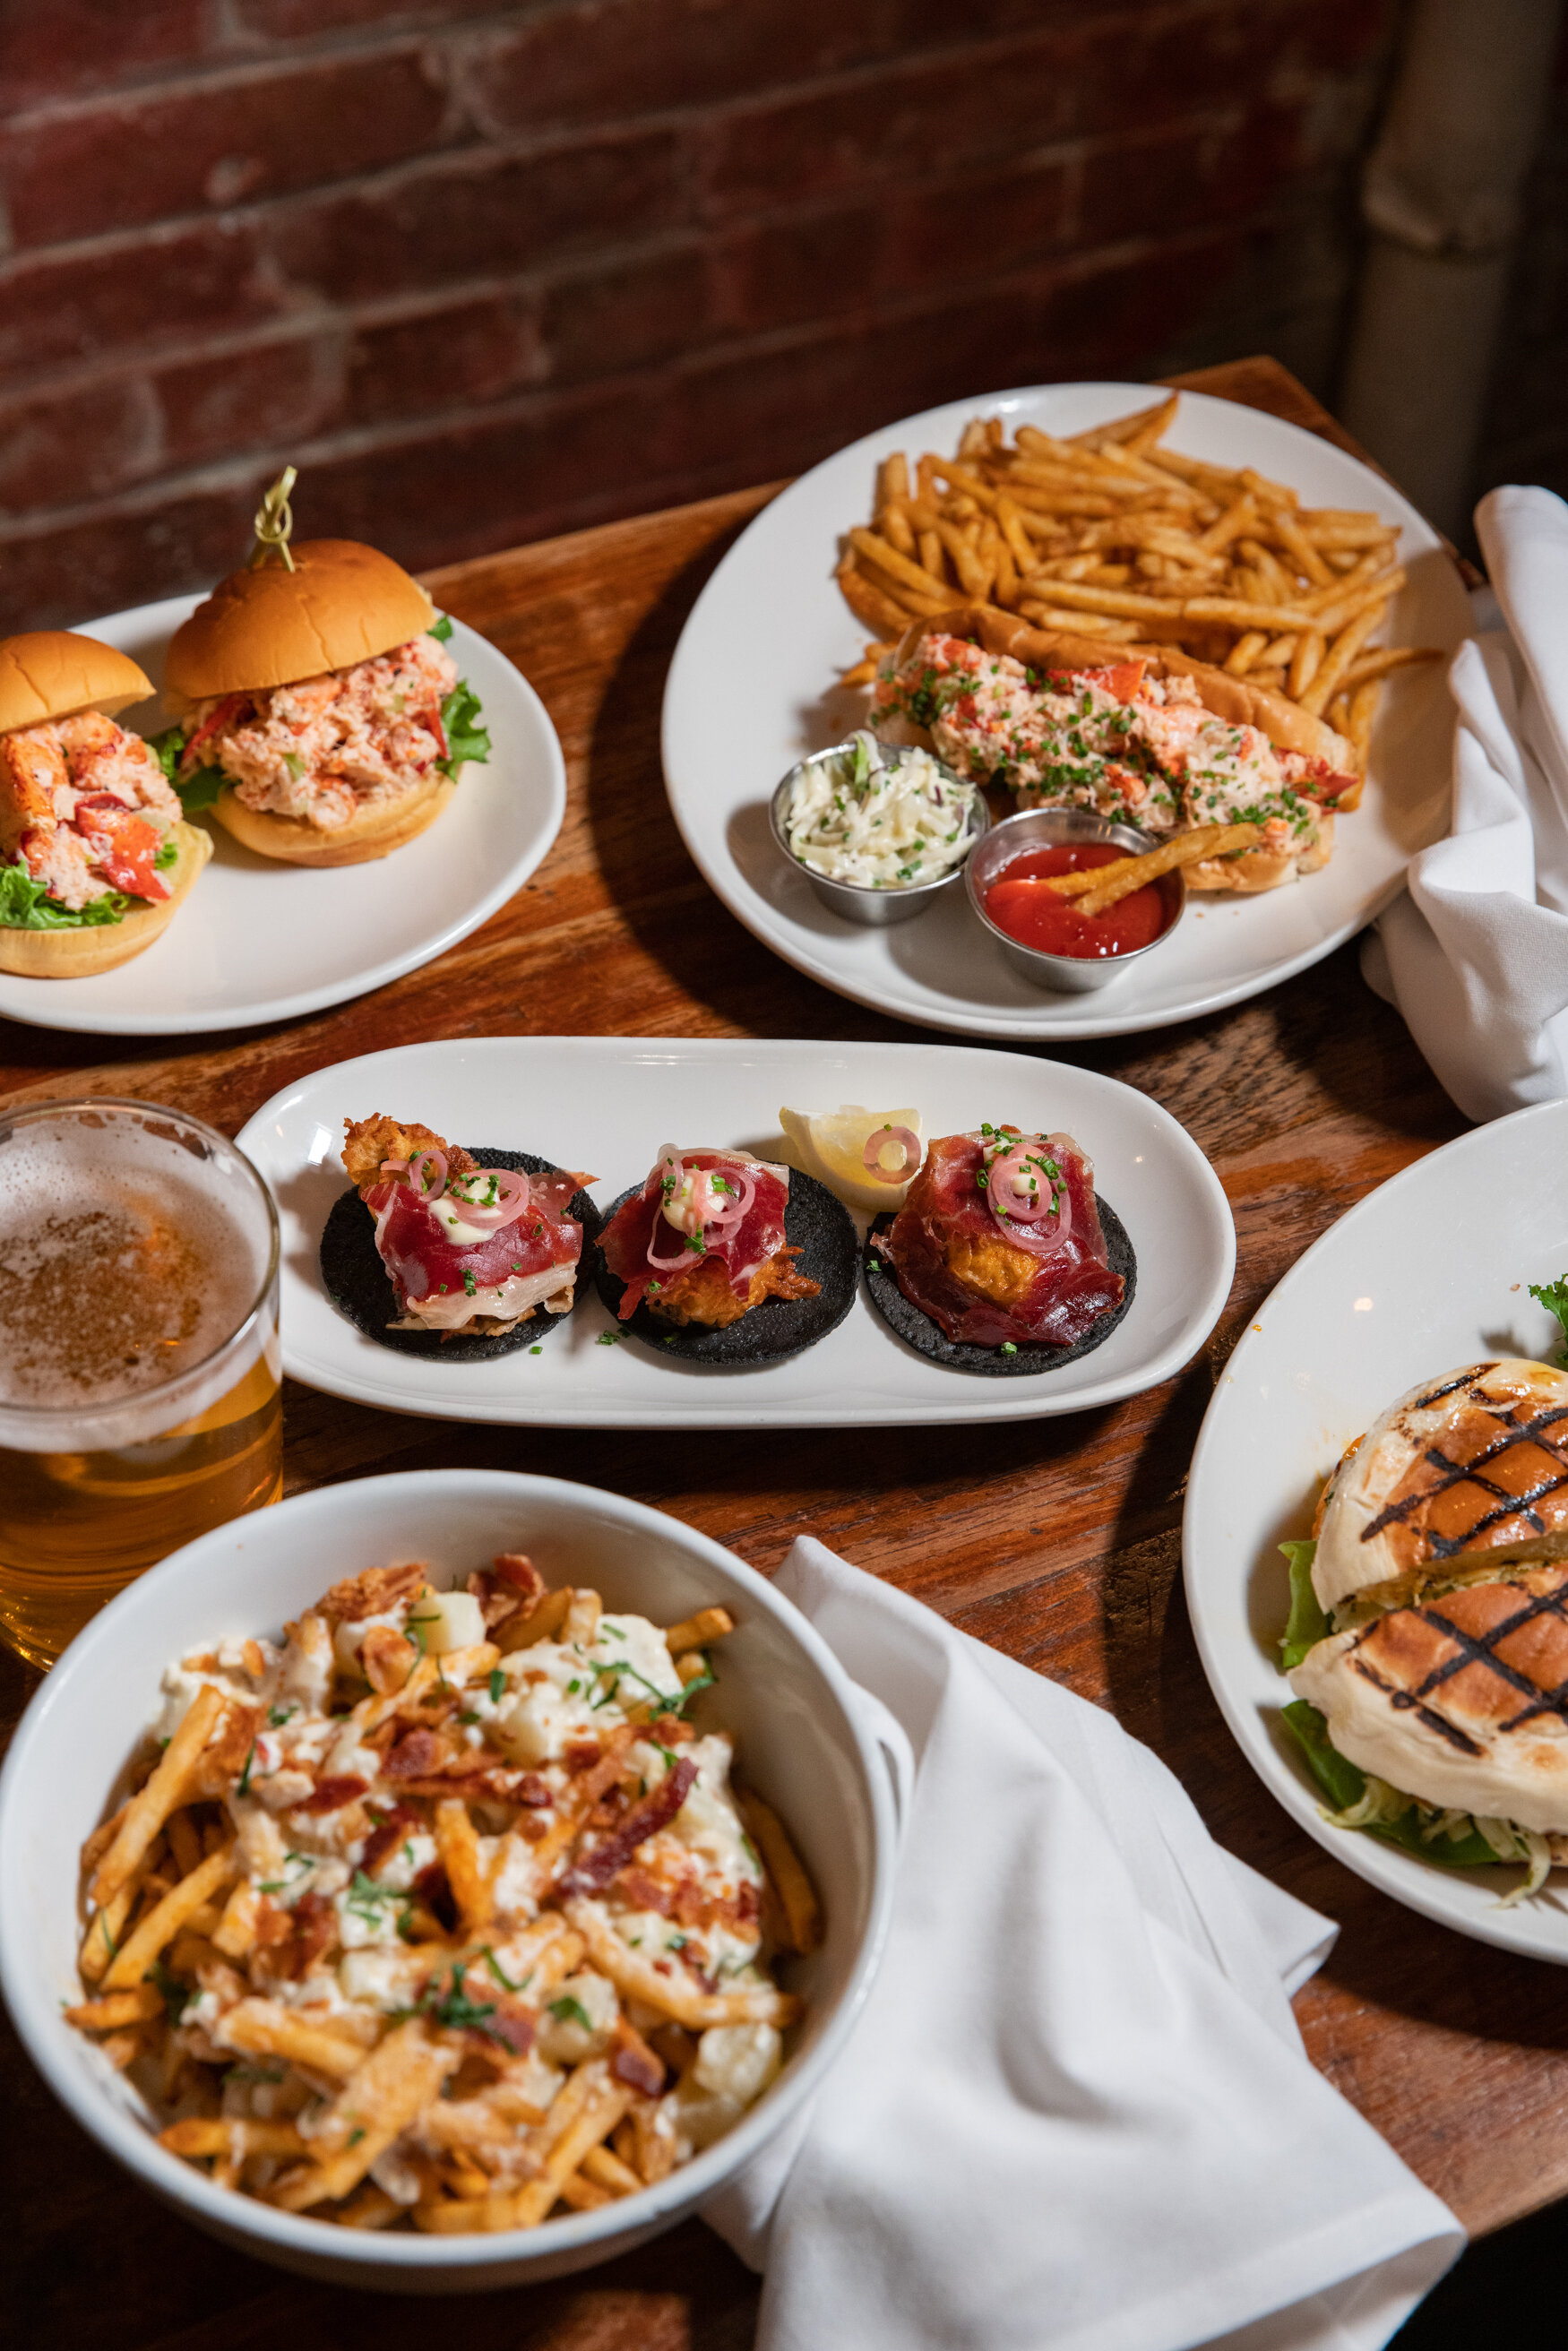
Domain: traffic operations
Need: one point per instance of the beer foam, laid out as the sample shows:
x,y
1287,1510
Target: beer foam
x,y
128,1255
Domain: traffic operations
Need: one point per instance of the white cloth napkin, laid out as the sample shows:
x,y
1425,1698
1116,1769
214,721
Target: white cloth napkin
x,y
1476,954
1076,2112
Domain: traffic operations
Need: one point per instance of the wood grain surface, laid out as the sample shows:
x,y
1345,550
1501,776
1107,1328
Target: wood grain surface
x,y
1058,1541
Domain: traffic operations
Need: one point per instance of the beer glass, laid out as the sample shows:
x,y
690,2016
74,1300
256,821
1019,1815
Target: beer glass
x,y
139,1365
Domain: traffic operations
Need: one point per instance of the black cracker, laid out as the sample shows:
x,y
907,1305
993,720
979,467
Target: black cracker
x,y
360,1286
963,1354
820,1228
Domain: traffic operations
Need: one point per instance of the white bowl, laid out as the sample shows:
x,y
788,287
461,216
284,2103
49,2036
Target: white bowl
x,y
806,1740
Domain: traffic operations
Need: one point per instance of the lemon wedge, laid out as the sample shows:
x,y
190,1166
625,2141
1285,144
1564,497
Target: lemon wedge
x,y
831,1145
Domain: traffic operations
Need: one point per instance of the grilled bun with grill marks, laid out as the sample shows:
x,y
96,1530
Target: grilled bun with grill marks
x,y
1472,1464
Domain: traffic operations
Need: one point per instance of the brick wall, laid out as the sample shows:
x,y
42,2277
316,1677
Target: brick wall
x,y
488,272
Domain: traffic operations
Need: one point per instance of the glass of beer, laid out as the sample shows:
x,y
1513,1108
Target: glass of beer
x,y
139,1366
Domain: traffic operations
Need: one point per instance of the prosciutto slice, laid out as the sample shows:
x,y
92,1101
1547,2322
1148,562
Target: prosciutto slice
x,y
743,1249
444,1280
954,1263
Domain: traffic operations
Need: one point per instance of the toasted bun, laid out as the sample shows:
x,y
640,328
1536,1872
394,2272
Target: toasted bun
x,y
342,603
1403,1505
50,672
374,833
1283,722
76,955
1457,1702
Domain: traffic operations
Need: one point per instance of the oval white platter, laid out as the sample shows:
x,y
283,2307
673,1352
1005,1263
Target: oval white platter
x,y
751,689
608,1102
256,940
1428,1272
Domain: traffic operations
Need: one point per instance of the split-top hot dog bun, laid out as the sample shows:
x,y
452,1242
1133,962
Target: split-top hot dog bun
x,y
53,674
342,603
1285,723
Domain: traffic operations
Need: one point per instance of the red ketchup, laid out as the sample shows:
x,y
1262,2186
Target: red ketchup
x,y
1018,904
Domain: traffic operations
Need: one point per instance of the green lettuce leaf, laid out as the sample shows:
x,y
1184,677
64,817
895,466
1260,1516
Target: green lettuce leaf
x,y
1345,1785
26,905
441,629
1553,1296
464,739
196,792
1308,1625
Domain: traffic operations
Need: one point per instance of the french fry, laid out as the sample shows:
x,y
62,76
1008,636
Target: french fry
x,y
1384,658
1305,661
102,1939
1339,657
583,1616
152,1934
681,1999
369,2207
1185,849
117,2009
896,527
893,481
375,2105
542,1623
598,2117
162,1794
608,2170
1245,651
898,566
262,2028
457,1846
696,1632
580,2194
225,2135
800,1911
873,608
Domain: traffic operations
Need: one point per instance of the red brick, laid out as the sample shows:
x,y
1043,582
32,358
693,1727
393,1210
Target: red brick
x,y
263,398
51,578
128,161
597,60
1345,32
467,352
1179,62
51,47
446,493
489,218
1186,177
626,317
209,278
936,115
299,20
986,221
63,448
780,273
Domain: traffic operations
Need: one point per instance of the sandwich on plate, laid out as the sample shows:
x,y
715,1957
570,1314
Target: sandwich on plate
x,y
1428,1646
322,718
1140,735
95,856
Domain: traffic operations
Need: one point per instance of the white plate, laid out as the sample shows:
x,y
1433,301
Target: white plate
x,y
750,691
608,1102
258,941
1427,1273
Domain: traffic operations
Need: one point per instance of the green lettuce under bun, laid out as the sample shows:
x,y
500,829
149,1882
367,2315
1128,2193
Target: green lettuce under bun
x,y
26,905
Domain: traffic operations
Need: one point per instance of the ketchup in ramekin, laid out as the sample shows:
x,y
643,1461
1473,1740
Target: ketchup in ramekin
x,y
1019,903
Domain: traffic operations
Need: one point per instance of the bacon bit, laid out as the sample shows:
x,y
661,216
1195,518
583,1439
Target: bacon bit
x,y
330,1794
644,1893
583,1754
371,1592
387,1834
388,1659
593,1873
416,1753
434,1890
636,2064
529,1825
511,1583
536,1792
273,1923
514,1568
511,2023
315,1931
671,1729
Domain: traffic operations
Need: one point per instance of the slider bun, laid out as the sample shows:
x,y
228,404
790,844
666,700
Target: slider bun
x,y
1400,1507
375,831
342,603
51,672
1283,722
101,947
1415,1697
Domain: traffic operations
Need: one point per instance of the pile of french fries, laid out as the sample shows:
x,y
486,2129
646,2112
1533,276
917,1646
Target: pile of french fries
x,y
440,2083
1110,534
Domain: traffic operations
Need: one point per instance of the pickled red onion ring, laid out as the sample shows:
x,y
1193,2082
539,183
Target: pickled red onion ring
x,y
427,1172
490,1216
1040,1225
739,1190
908,1144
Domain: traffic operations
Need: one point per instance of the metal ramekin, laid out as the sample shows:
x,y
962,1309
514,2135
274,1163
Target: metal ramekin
x,y
859,902
1045,828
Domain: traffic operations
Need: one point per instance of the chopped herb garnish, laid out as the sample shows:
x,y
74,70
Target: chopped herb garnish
x,y
568,2011
498,1685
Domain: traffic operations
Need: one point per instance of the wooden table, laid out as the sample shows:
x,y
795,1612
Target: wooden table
x,y
1057,1540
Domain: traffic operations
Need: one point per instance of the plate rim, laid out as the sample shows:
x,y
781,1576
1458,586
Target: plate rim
x,y
1027,1025
106,1022
972,1410
1415,1885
